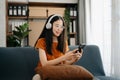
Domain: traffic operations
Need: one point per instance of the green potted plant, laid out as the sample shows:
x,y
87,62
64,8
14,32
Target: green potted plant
x,y
21,33
18,35
67,18
67,21
12,41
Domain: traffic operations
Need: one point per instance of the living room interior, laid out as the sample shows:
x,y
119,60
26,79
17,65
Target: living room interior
x,y
91,22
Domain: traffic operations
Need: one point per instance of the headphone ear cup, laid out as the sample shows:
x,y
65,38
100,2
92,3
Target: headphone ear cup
x,y
48,25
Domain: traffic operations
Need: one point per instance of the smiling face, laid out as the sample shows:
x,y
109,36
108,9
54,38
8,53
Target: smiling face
x,y
57,28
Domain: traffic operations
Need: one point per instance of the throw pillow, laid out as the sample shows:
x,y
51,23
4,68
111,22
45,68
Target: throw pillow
x,y
65,72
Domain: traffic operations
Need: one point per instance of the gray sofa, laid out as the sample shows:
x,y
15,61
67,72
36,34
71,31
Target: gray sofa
x,y
18,63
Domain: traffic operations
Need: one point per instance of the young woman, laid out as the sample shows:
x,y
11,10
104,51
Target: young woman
x,y
52,45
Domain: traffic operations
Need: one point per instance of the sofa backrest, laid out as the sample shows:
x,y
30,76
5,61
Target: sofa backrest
x,y
17,63
91,60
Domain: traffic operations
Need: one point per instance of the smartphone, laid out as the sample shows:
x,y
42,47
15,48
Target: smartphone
x,y
81,46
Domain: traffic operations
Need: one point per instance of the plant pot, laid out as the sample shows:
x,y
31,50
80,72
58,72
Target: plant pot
x,y
22,43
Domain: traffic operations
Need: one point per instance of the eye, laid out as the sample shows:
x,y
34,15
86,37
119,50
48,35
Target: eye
x,y
57,25
63,27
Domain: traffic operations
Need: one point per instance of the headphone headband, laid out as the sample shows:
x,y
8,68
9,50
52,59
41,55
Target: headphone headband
x,y
49,25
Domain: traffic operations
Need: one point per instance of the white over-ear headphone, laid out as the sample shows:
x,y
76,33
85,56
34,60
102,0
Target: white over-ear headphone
x,y
49,25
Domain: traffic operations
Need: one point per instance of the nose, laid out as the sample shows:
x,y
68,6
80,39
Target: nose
x,y
60,29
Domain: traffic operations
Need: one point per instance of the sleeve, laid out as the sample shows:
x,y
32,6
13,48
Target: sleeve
x,y
40,44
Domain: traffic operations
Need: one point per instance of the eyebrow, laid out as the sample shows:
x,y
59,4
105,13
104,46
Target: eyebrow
x,y
56,24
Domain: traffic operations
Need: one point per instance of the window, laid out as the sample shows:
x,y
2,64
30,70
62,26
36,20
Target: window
x,y
98,20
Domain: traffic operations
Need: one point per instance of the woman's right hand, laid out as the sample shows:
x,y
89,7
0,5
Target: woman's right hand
x,y
70,54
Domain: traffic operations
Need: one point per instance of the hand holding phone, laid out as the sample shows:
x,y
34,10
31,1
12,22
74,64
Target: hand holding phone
x,y
81,46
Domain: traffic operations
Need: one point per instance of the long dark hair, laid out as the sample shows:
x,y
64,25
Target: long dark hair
x,y
48,35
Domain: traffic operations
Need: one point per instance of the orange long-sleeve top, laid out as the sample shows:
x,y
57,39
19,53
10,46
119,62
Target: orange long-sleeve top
x,y
55,53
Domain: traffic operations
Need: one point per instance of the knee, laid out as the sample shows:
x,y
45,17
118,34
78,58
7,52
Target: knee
x,y
36,77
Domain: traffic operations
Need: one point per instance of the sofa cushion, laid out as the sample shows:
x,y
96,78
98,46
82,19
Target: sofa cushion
x,y
65,72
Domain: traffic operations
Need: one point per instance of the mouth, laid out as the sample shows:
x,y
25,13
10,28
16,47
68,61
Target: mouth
x,y
58,33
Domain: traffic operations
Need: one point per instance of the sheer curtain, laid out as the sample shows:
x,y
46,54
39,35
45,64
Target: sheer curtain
x,y
82,24
115,56
98,28
103,29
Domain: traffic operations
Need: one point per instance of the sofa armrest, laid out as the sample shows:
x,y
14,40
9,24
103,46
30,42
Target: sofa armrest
x,y
91,59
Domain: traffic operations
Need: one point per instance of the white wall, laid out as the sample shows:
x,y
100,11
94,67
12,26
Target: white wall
x,y
2,23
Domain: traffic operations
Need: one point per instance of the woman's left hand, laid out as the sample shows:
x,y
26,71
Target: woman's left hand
x,y
78,54
76,57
